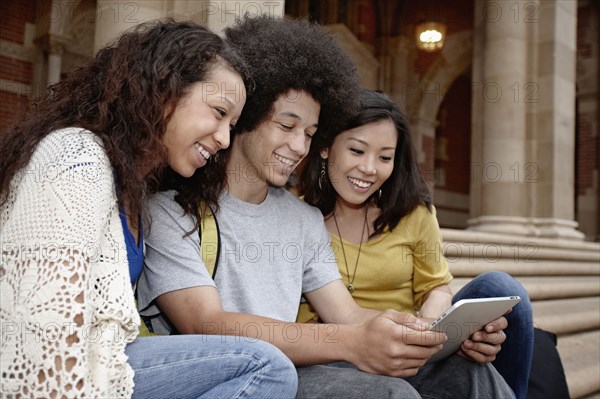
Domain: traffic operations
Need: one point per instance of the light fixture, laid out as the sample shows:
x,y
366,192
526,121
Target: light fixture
x,y
430,36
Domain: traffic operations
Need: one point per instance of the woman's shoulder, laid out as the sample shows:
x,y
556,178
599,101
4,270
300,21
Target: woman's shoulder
x,y
71,144
164,200
420,213
163,204
412,222
71,136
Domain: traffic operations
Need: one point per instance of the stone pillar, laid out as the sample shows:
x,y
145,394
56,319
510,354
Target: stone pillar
x,y
217,15
502,61
554,204
115,17
53,46
423,135
523,118
397,56
54,67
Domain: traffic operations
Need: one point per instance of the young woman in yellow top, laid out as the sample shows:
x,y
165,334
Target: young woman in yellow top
x,y
366,182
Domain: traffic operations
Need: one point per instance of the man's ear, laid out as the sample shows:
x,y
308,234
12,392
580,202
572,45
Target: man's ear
x,y
324,153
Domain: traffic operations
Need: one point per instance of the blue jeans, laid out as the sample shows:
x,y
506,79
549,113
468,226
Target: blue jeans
x,y
200,366
513,362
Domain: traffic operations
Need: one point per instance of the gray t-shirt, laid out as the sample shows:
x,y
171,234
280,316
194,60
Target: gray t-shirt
x,y
271,254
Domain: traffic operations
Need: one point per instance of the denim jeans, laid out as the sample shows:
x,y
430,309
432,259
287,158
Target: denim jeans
x,y
459,378
513,362
452,378
199,366
342,380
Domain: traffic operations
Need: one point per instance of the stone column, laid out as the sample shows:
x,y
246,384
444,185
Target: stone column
x,y
499,122
115,17
53,45
54,67
398,80
554,170
56,48
217,15
523,118
476,111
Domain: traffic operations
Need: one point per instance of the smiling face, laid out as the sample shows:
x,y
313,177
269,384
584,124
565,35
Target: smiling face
x,y
360,160
200,124
272,151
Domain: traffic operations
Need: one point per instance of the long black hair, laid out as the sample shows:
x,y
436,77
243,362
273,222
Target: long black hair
x,y
401,193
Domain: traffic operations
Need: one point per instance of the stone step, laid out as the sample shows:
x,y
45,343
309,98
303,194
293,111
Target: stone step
x,y
466,236
580,355
551,287
566,316
530,252
562,278
473,267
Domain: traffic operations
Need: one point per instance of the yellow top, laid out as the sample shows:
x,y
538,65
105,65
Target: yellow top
x,y
396,269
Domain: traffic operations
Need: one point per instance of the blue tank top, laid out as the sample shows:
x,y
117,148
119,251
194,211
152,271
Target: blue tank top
x,y
135,253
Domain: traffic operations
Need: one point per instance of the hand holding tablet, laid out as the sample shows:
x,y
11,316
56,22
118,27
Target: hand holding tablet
x,y
466,317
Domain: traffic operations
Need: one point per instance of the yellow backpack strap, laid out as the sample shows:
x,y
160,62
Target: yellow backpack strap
x,y
145,329
210,242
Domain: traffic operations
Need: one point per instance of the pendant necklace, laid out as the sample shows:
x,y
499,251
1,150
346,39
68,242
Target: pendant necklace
x,y
351,280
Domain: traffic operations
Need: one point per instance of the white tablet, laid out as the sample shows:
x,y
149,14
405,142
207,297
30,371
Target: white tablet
x,y
466,317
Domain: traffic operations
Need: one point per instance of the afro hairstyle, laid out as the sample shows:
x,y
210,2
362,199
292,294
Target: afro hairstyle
x,y
284,54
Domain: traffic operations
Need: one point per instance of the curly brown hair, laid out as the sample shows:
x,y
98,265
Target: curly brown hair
x,y
125,95
283,55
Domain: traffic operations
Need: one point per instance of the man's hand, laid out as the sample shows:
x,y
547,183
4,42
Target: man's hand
x,y
395,344
484,345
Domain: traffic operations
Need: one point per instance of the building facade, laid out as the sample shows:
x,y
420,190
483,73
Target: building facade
x,y
505,115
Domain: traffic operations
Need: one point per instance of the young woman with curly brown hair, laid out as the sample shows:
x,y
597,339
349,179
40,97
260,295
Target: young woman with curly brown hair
x,y
74,177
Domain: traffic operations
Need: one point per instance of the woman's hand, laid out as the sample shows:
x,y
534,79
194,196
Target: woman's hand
x,y
484,345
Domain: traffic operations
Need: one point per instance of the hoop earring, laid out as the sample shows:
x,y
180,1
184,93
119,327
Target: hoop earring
x,y
323,174
378,196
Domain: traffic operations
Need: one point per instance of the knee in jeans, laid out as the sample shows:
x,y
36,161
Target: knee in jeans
x,y
288,377
286,369
505,283
281,367
497,277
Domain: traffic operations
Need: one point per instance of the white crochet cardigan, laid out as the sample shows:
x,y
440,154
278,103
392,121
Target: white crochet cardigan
x,y
65,294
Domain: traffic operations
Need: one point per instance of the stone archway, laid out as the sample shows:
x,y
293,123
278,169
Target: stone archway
x,y
455,60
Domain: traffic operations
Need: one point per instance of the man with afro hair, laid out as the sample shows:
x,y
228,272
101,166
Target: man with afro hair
x,y
274,248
